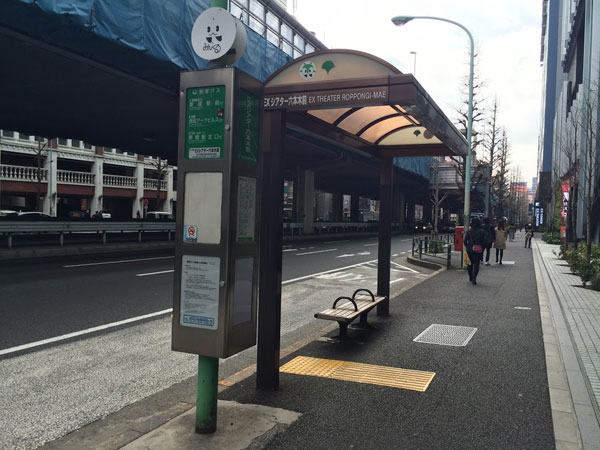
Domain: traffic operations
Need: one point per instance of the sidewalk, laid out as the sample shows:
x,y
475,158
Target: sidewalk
x,y
576,346
504,389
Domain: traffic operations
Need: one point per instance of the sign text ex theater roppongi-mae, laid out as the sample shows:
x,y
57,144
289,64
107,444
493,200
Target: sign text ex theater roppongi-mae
x,y
327,99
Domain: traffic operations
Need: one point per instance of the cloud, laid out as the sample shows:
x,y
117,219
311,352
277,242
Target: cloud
x,y
507,36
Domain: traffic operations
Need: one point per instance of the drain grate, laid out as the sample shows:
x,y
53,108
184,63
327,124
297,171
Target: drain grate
x,y
446,335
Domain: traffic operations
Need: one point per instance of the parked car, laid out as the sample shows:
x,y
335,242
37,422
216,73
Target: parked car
x,y
159,215
8,213
102,215
33,215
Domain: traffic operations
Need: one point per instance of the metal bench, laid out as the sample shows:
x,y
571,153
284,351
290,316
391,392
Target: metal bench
x,y
350,308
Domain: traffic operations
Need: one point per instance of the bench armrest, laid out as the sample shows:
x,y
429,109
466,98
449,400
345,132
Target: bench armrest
x,y
365,290
345,298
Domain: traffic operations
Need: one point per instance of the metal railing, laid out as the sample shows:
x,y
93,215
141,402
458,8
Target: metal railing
x,y
434,248
150,184
119,181
73,177
11,228
294,228
22,173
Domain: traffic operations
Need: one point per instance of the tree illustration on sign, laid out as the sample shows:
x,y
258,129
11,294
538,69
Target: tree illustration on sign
x,y
327,66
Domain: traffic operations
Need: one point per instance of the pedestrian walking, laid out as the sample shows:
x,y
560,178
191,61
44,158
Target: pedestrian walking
x,y
474,243
500,241
488,239
528,235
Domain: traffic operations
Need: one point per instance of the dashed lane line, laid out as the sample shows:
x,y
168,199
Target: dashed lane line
x,y
117,262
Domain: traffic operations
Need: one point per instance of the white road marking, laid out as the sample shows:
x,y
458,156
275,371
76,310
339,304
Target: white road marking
x,y
364,253
290,250
118,262
313,275
335,242
402,253
317,251
18,348
408,269
347,255
154,273
395,281
369,245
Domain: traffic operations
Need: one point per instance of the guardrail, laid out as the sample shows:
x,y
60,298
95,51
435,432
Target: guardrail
x,y
339,227
434,248
10,228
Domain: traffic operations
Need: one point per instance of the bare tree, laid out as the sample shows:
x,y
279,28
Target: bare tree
x,y
590,158
492,140
160,167
569,148
501,179
478,175
40,156
437,197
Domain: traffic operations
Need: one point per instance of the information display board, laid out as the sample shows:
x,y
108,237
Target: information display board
x,y
205,122
218,184
248,127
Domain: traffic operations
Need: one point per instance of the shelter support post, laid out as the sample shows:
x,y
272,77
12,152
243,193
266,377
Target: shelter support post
x,y
269,307
385,234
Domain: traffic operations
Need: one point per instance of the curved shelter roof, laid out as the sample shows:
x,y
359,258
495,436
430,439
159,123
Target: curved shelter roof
x,y
368,101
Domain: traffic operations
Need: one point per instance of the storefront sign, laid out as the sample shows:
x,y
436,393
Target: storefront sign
x,y
327,99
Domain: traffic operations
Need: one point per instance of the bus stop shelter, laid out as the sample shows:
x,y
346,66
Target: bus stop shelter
x,y
374,110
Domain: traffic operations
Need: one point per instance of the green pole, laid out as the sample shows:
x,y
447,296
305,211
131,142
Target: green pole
x,y
208,367
206,396
220,4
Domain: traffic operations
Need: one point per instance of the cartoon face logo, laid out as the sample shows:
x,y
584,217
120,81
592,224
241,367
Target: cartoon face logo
x,y
213,37
213,33
307,70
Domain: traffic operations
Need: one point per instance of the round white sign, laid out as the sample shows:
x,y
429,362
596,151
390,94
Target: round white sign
x,y
213,33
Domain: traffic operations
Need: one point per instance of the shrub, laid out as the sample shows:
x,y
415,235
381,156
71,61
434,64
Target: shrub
x,y
588,270
551,238
595,281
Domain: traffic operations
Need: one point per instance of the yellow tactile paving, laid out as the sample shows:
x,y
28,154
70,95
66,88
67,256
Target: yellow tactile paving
x,y
415,380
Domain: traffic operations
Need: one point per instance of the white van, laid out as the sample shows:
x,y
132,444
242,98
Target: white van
x,y
159,215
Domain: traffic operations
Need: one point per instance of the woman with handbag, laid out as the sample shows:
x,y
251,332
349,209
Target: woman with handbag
x,y
500,241
474,243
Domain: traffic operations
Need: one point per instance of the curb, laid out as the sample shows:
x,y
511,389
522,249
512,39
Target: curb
x,y
423,263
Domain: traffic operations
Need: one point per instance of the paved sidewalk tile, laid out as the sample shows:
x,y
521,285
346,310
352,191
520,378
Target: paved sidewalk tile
x,y
581,308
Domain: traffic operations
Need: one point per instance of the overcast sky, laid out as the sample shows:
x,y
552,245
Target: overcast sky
x,y
507,35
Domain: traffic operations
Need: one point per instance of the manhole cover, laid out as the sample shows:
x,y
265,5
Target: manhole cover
x,y
446,335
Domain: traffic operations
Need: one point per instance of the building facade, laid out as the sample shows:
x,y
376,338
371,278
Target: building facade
x,y
67,178
568,155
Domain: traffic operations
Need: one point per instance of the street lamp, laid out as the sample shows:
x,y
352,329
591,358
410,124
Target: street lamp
x,y
403,20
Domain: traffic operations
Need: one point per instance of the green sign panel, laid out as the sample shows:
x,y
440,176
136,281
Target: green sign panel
x,y
247,147
205,122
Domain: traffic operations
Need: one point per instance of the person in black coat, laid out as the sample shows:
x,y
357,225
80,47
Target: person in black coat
x,y
489,238
474,243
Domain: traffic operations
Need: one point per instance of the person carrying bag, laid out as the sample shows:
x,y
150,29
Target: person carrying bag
x,y
474,243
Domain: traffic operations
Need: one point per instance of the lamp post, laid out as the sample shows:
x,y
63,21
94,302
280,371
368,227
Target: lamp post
x,y
403,20
414,63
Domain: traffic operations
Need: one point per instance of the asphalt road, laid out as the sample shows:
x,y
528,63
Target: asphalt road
x,y
53,389
51,298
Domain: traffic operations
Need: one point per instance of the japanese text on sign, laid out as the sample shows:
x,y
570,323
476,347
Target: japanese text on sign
x,y
205,122
336,98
